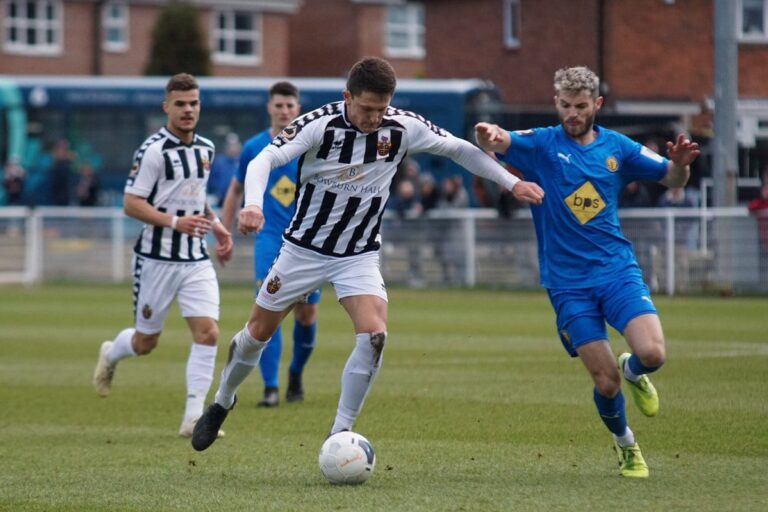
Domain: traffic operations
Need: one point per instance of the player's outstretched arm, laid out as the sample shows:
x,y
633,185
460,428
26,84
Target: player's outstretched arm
x,y
680,153
491,137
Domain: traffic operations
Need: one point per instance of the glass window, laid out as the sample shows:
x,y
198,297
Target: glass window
x,y
512,23
752,23
404,31
114,24
237,37
32,27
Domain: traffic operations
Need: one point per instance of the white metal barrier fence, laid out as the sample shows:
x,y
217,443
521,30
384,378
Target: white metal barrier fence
x,y
680,250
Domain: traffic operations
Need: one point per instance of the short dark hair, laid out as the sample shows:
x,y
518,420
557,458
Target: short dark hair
x,y
284,89
371,74
181,82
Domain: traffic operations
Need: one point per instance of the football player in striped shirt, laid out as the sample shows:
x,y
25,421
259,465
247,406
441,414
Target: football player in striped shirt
x,y
586,264
348,154
279,205
166,191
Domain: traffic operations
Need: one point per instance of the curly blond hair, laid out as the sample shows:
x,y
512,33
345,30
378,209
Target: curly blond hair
x,y
577,78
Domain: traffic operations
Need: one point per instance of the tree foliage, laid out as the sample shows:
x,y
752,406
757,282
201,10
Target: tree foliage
x,y
179,43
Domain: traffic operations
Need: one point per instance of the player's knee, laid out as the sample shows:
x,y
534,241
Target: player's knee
x,y
143,344
608,384
652,356
208,335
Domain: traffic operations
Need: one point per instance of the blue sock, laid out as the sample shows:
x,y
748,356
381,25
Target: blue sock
x,y
270,359
303,344
612,412
638,368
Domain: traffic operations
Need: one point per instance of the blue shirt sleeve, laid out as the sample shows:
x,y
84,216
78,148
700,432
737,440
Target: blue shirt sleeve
x,y
641,163
522,151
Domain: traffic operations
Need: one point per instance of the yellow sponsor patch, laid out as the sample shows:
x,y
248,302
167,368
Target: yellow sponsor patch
x,y
585,202
284,191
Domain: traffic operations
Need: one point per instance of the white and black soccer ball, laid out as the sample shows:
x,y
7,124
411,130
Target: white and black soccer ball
x,y
347,458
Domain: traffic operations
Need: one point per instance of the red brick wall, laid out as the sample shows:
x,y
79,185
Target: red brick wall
x,y
275,53
132,62
753,70
323,38
657,50
76,56
465,39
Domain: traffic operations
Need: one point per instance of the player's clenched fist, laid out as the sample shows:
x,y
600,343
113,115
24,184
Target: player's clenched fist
x,y
528,192
250,220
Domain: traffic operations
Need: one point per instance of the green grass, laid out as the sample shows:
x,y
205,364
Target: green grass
x,y
477,408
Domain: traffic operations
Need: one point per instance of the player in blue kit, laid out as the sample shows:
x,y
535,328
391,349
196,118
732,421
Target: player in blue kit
x,y
587,265
279,206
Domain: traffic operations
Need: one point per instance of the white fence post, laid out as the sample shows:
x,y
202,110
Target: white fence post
x,y
33,257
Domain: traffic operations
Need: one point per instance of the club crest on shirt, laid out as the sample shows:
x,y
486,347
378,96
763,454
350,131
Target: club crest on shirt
x,y
206,164
384,146
288,133
612,163
273,285
146,312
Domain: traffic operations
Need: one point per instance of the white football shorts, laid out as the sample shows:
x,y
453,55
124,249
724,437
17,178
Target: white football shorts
x,y
157,283
297,272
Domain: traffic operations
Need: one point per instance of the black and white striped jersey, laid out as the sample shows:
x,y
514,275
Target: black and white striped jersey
x,y
345,174
172,176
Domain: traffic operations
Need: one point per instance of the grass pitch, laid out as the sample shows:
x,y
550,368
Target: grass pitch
x,y
477,408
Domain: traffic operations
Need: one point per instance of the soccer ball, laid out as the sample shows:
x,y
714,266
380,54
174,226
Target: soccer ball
x,y
347,458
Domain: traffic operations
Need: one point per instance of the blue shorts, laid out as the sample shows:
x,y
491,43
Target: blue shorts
x,y
266,250
583,312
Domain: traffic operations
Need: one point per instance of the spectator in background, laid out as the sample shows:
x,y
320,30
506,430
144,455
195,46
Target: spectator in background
x,y
449,247
453,193
759,208
684,197
60,176
429,194
88,186
13,181
223,170
634,195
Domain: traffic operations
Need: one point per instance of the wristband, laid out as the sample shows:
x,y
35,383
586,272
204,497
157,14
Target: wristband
x,y
215,221
174,221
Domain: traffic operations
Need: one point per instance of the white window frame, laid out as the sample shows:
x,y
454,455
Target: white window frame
x,y
230,35
40,25
413,28
751,38
511,23
122,24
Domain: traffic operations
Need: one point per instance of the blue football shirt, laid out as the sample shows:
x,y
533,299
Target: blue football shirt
x,y
580,243
279,202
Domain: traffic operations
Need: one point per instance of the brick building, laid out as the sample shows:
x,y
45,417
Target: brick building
x,y
655,57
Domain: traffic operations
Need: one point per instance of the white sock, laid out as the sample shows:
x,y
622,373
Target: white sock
x,y
200,365
122,346
357,379
629,374
244,354
628,439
